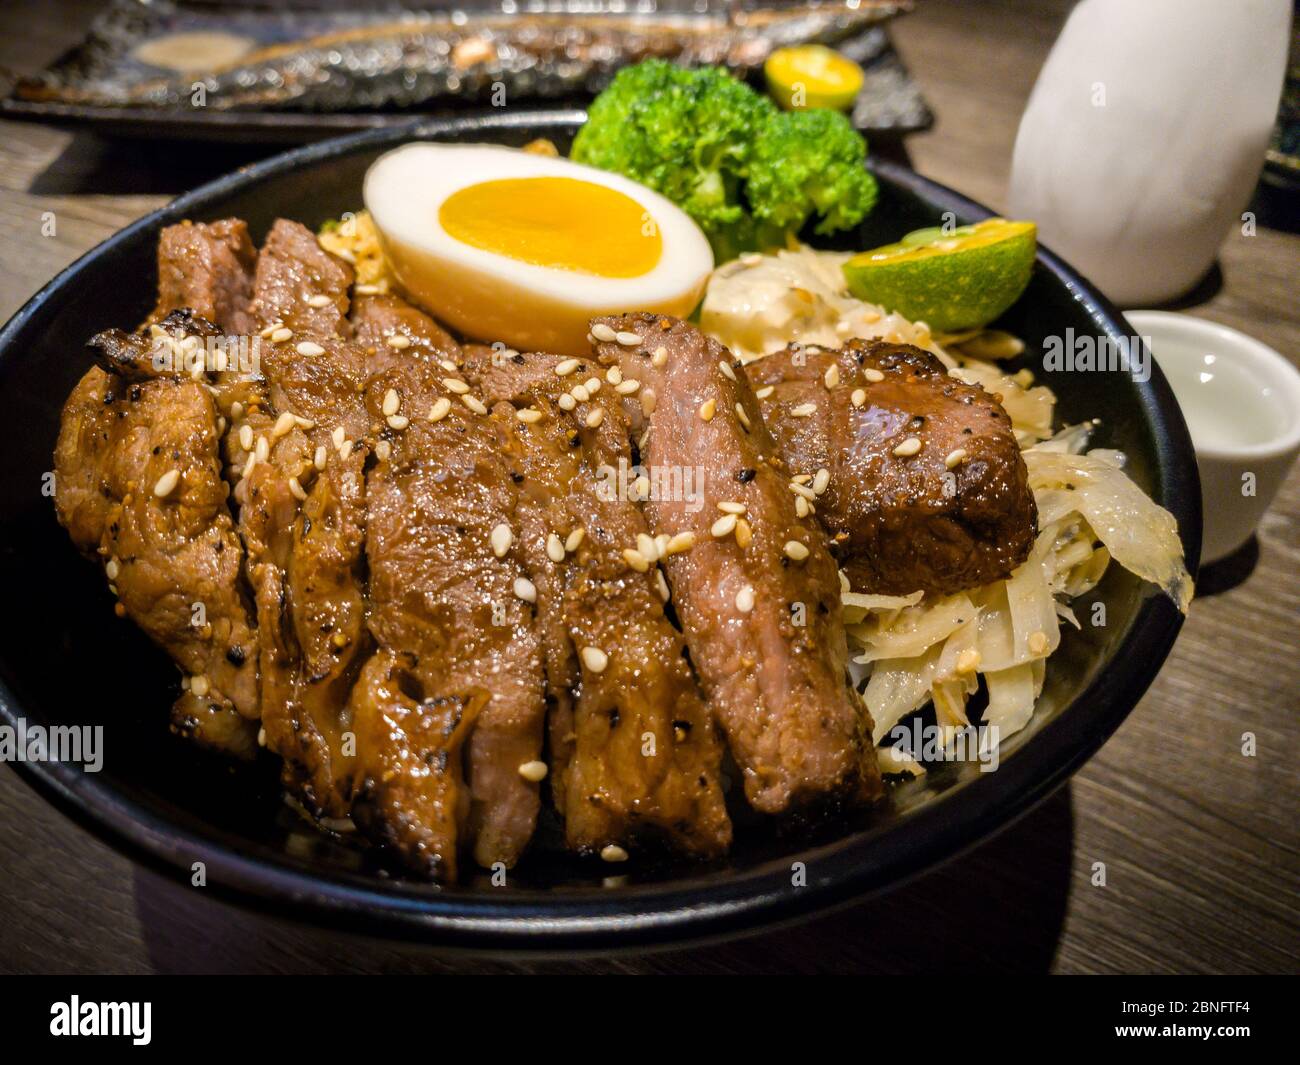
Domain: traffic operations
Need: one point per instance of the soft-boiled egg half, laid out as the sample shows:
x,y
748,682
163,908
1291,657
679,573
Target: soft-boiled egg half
x,y
524,249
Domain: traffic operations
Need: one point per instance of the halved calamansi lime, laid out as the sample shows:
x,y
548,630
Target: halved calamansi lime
x,y
951,280
812,75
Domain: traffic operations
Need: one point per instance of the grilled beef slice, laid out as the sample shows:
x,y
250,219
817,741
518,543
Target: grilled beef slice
x,y
293,269
634,751
139,487
956,514
207,268
424,366
300,445
396,330
761,613
450,627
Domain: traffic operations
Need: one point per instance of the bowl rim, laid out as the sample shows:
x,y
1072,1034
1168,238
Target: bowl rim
x,y
663,914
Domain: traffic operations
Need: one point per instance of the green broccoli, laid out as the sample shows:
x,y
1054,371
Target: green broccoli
x,y
684,133
748,174
807,162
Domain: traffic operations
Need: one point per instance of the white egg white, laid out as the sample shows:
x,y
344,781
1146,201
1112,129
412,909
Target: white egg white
x,y
492,297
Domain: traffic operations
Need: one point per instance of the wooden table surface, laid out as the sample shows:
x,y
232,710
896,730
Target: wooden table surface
x,y
1201,844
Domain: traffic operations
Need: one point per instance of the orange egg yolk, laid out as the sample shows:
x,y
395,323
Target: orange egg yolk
x,y
557,222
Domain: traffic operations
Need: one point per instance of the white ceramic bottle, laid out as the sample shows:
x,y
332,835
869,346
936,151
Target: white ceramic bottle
x,y
1145,134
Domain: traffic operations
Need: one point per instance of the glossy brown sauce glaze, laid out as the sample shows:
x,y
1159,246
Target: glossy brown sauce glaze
x,y
925,489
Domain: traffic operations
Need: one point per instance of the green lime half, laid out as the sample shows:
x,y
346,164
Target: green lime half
x,y
951,281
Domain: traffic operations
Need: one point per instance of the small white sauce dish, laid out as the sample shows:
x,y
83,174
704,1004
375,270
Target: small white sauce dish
x,y
1241,400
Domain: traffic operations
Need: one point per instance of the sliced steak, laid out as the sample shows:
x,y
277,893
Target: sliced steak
x,y
395,330
83,456
955,513
315,371
478,359
300,446
207,268
410,795
634,751
560,661
300,285
444,610
760,611
138,485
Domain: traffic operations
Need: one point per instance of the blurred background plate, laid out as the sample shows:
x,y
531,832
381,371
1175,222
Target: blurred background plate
x,y
296,72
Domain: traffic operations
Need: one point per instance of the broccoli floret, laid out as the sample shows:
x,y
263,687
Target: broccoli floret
x,y
747,173
687,134
810,162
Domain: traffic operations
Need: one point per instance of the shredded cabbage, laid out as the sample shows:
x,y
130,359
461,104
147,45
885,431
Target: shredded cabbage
x,y
1140,535
857,606
1012,694
896,688
915,629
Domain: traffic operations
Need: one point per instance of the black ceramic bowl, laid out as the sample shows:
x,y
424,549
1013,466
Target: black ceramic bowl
x,y
71,662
